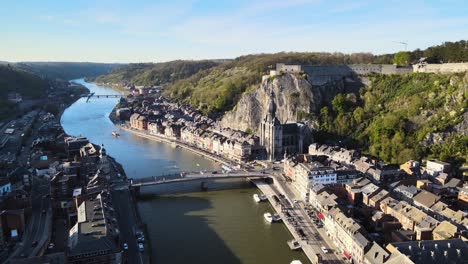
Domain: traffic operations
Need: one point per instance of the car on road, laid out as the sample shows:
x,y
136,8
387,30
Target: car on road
x,y
51,246
325,250
125,246
33,244
141,238
141,247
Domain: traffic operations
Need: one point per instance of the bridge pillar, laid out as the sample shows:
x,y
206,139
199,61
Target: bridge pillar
x,y
203,186
135,190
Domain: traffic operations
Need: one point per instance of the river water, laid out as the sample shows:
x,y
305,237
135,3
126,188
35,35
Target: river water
x,y
209,227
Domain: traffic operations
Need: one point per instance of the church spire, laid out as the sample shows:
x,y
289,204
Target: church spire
x,y
272,106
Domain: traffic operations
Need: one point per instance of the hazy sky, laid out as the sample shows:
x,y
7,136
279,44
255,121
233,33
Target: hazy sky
x,y
144,30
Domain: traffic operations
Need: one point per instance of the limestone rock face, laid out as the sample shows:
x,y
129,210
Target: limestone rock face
x,y
294,96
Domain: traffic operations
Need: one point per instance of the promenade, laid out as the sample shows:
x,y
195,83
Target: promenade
x,y
298,224
181,144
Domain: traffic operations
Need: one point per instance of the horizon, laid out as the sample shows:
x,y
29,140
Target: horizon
x,y
148,32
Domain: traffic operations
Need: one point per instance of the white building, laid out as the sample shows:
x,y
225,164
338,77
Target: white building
x,y
308,175
434,167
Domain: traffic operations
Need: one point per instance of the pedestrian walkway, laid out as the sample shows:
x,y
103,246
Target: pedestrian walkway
x,y
300,227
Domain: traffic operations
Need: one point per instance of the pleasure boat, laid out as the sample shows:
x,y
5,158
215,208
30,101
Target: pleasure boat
x,y
259,197
268,217
271,218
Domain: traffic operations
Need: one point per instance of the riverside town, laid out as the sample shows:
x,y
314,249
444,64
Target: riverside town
x,y
318,154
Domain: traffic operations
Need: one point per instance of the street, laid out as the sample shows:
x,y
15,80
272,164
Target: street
x,y
127,220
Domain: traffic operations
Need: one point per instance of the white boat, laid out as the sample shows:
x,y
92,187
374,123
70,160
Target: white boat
x,y
276,218
115,134
256,198
296,262
271,218
268,217
259,197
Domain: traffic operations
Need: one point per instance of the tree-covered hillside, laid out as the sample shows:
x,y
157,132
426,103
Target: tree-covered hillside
x,y
67,70
155,73
397,117
15,80
218,89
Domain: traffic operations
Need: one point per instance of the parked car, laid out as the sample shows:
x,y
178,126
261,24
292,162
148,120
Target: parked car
x,y
125,246
324,250
141,247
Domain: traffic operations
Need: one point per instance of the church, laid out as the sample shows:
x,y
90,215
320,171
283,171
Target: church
x,y
281,140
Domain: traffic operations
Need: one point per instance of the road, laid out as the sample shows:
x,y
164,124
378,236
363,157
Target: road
x,y
37,227
127,220
316,236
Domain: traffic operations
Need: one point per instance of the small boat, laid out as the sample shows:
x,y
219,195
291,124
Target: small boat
x,y
276,218
268,217
294,244
271,218
115,134
259,198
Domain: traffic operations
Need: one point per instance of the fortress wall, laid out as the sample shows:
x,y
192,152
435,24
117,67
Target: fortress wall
x,y
288,68
441,68
319,72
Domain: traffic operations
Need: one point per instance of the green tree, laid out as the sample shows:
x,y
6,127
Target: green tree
x,y
402,58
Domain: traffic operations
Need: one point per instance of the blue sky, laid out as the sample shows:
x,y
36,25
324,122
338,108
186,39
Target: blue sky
x,y
152,31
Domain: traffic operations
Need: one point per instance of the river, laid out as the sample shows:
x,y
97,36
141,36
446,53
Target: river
x,y
210,227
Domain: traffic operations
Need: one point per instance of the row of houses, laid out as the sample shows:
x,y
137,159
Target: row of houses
x,y
174,123
354,241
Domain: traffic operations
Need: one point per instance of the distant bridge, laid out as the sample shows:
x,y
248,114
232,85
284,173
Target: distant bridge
x,y
175,178
93,95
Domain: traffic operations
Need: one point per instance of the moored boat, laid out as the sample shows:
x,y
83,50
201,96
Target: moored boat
x,y
259,197
256,198
268,217
271,218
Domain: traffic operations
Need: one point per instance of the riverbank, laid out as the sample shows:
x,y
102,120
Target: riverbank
x,y
220,226
180,144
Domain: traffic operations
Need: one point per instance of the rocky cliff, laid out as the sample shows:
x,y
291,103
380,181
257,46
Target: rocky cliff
x,y
294,97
